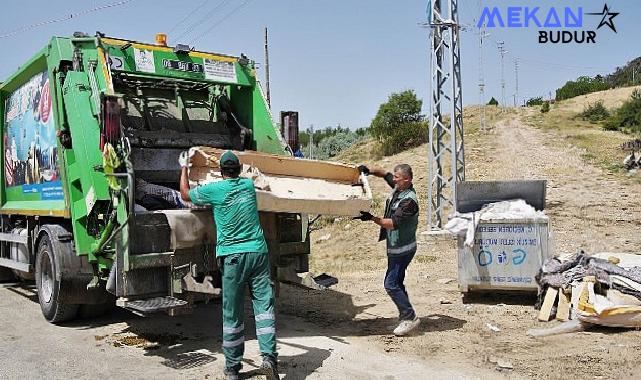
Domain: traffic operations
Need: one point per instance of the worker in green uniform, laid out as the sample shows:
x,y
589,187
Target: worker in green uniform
x,y
242,253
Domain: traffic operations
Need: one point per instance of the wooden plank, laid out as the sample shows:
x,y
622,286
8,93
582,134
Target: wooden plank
x,y
563,309
281,165
576,293
548,302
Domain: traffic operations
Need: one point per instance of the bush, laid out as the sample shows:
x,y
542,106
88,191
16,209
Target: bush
x,y
534,101
545,108
493,102
405,136
628,117
595,112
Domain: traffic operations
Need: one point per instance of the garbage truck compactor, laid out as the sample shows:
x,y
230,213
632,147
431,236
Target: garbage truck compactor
x,y
91,131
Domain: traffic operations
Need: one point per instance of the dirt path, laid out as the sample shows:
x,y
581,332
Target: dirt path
x,y
589,209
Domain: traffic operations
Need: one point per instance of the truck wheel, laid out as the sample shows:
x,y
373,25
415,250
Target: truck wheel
x,y
48,285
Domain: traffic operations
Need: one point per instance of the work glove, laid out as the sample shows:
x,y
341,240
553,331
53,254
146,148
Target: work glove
x,y
363,169
365,216
183,159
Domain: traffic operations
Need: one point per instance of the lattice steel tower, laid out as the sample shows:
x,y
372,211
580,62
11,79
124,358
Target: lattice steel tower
x,y
446,156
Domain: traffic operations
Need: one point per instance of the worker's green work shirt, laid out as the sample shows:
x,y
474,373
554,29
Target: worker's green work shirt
x,y
233,202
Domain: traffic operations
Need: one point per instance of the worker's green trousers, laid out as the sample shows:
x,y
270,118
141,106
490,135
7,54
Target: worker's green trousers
x,y
251,269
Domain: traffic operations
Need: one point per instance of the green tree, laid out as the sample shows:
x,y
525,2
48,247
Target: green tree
x,y
534,101
493,102
400,109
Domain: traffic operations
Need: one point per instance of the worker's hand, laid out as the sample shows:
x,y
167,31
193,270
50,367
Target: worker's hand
x,y
363,169
365,216
183,159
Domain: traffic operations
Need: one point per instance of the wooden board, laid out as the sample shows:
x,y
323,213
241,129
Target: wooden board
x,y
563,309
548,303
280,165
292,185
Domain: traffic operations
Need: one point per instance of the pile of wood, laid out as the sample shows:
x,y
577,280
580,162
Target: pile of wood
x,y
602,289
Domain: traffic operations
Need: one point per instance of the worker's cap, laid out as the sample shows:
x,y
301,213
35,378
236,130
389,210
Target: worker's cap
x,y
229,160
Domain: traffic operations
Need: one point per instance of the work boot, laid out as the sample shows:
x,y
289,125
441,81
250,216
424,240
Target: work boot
x,y
269,368
406,326
232,373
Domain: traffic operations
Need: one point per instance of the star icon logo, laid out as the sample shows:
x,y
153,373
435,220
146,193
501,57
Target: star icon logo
x,y
607,17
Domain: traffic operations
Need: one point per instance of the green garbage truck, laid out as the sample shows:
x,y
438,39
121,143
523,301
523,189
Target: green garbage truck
x,y
91,130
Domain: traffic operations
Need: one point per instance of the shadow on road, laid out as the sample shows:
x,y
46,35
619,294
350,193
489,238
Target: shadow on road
x,y
193,340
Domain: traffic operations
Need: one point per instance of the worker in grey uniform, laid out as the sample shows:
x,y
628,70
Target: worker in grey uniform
x,y
242,253
398,228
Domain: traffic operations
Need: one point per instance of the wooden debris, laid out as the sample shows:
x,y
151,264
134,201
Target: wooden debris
x,y
548,303
563,309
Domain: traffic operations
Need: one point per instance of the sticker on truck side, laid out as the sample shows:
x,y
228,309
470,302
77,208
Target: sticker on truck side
x,y
30,146
220,71
145,61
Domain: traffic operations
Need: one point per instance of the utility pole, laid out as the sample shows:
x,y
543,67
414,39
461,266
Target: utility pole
x,y
482,35
502,52
446,141
516,74
311,142
269,100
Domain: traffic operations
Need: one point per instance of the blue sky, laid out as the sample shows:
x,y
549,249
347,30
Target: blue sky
x,y
336,61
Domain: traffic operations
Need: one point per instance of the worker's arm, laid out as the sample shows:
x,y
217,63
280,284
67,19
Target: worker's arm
x,y
184,184
183,161
378,172
386,223
405,209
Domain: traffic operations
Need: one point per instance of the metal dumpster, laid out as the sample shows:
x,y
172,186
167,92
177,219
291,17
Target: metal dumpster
x,y
507,253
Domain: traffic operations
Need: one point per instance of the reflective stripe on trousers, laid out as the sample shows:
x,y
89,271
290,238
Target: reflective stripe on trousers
x,y
233,330
234,343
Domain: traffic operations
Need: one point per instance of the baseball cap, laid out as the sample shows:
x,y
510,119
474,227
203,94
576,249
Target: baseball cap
x,y
229,160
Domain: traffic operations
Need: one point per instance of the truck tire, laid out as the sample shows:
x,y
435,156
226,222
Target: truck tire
x,y
48,284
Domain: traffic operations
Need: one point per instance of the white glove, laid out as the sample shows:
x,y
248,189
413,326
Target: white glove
x,y
183,159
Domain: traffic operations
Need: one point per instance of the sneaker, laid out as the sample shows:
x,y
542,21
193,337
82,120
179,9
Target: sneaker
x,y
232,373
269,368
406,326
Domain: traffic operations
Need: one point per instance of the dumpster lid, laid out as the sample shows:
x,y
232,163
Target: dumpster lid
x,y
473,195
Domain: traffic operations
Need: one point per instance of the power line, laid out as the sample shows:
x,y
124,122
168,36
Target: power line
x,y
191,28
61,19
219,22
186,17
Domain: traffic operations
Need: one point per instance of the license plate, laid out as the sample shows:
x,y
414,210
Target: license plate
x,y
191,67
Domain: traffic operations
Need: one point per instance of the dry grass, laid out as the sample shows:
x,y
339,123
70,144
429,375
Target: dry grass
x,y
600,147
611,99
